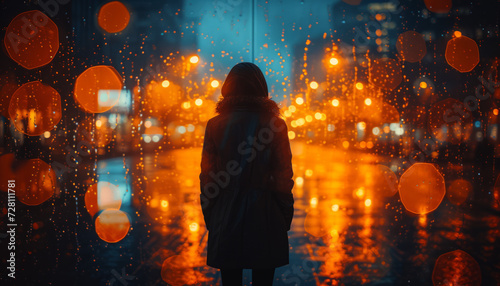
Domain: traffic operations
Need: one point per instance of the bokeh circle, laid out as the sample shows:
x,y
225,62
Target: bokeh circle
x,y
35,108
32,39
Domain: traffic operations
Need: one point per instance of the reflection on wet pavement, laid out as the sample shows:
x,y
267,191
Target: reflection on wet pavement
x,y
349,227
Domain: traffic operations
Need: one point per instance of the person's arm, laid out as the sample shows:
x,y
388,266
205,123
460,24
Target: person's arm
x,y
207,164
282,172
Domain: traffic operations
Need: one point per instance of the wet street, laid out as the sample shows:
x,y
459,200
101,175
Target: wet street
x,y
349,227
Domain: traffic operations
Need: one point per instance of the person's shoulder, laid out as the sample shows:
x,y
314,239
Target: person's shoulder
x,y
217,120
278,118
277,123
213,119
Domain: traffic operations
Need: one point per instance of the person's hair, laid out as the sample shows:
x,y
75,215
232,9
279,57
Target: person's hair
x,y
245,86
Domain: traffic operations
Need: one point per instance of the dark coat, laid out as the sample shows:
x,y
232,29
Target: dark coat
x,y
246,183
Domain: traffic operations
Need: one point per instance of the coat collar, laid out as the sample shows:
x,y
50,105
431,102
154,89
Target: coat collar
x,y
255,103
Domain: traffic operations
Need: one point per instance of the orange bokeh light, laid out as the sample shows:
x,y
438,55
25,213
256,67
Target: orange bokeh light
x,y
411,46
89,83
462,53
493,117
35,182
334,61
164,203
458,191
438,6
421,188
35,108
101,196
424,88
368,202
345,144
194,59
112,225
313,85
32,39
386,73
458,268
359,193
496,194
113,17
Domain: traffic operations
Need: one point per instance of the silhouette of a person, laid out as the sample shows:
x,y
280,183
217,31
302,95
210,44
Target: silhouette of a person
x,y
246,181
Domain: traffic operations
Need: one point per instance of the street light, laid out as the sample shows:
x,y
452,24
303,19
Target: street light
x,y
194,59
314,85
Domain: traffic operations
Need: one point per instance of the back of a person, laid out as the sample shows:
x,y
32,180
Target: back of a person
x,y
245,134
246,183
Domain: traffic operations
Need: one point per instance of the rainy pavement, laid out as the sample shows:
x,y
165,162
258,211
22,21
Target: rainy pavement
x,y
349,227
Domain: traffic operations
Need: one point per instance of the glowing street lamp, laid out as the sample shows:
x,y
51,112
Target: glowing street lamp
x,y
368,202
194,59
314,85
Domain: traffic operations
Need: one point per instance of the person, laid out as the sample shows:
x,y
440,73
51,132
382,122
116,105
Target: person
x,y
246,181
